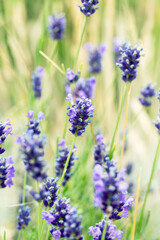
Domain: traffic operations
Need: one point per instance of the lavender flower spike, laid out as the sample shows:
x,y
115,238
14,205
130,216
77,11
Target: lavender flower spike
x,y
5,130
128,62
111,231
7,172
147,93
37,77
80,114
89,7
57,26
85,88
157,124
71,76
111,191
24,217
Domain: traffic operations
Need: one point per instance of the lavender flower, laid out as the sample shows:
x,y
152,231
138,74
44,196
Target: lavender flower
x,y
89,7
99,150
61,159
23,217
37,77
40,195
128,62
5,130
85,88
147,93
157,124
71,76
111,231
66,223
79,115
32,148
95,57
51,194
111,191
57,26
6,172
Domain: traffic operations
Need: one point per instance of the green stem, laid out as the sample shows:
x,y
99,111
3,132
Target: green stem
x,y
43,225
65,127
149,185
80,43
118,118
24,186
47,235
67,162
39,221
4,235
104,230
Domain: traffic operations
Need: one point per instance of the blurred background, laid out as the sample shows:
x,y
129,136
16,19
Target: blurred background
x,y
23,33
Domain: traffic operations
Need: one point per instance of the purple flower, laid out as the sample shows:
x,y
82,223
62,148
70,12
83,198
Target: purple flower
x,y
57,26
99,150
157,124
80,114
111,190
47,216
32,148
56,234
128,62
111,231
147,93
95,57
37,77
71,76
51,189
7,172
5,130
61,159
23,217
85,88
89,7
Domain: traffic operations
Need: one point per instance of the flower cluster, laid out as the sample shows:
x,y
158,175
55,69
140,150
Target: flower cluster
x,y
66,223
79,115
71,76
23,217
147,93
128,62
57,26
89,7
111,231
61,159
99,150
37,77
32,148
51,189
5,130
95,57
85,88
6,172
111,191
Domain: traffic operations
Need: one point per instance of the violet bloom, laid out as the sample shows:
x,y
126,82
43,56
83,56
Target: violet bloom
x,y
99,150
32,148
7,172
85,88
23,217
61,159
37,77
157,123
111,231
5,130
89,7
80,114
111,191
57,26
65,222
95,57
147,93
71,76
128,62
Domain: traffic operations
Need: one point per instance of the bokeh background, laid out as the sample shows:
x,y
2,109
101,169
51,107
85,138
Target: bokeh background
x,y
23,33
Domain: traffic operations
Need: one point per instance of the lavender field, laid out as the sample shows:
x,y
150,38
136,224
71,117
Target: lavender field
x,y
80,120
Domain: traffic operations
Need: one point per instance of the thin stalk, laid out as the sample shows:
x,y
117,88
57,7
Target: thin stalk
x,y
4,235
39,220
65,126
125,127
92,132
149,185
43,225
80,43
24,186
136,206
67,162
118,119
47,235
104,230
